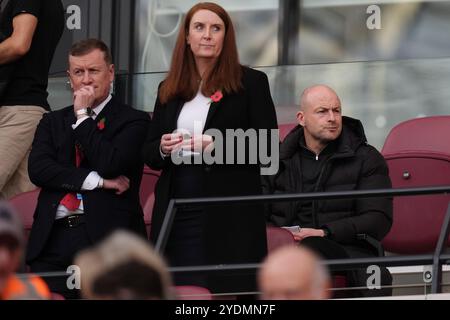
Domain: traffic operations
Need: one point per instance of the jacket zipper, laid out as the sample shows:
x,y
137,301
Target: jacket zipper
x,y
314,203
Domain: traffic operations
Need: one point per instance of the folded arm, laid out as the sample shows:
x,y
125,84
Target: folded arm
x,y
44,169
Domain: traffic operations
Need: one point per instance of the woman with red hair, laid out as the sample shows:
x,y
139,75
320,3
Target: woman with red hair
x,y
208,90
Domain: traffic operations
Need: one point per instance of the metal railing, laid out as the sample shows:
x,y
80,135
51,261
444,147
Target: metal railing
x,y
437,259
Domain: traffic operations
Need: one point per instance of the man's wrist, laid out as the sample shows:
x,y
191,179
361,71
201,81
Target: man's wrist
x,y
100,183
83,112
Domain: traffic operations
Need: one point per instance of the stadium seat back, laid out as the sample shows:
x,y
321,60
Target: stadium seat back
x,y
285,129
25,205
192,293
278,237
418,155
147,194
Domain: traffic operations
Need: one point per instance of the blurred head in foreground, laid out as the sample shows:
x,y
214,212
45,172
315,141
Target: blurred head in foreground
x,y
123,267
293,273
12,242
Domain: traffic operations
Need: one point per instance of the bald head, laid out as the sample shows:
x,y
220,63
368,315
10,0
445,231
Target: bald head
x,y
320,92
293,273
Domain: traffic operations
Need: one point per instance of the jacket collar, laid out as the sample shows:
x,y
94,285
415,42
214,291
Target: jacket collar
x,y
213,107
109,111
350,140
174,108
98,109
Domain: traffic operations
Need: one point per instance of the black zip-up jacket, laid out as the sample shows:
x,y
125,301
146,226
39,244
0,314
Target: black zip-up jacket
x,y
355,165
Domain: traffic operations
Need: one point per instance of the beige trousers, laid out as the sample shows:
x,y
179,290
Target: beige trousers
x,y
17,127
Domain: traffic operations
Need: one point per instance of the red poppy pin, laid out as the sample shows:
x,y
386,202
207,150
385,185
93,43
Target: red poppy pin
x,y
101,124
216,96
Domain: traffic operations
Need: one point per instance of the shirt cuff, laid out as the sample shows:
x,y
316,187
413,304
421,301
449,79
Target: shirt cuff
x,y
164,156
91,182
79,121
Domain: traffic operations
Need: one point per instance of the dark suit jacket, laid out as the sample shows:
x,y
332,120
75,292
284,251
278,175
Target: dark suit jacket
x,y
112,152
234,234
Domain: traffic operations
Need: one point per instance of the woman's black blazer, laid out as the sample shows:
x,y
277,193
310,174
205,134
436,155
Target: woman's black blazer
x,y
234,234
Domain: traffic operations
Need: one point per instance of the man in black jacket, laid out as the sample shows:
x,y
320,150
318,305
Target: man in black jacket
x,y
86,158
329,152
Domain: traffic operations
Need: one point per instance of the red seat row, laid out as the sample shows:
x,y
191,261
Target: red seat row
x,y
418,154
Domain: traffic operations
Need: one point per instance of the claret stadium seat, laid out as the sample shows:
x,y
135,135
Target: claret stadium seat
x,y
25,204
285,129
147,194
192,293
417,152
278,237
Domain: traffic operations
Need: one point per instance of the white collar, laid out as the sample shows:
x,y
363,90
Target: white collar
x,y
100,107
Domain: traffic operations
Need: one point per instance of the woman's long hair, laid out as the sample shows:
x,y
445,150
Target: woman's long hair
x,y
183,79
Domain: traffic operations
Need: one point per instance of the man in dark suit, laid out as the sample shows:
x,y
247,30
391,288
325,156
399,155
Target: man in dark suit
x,y
86,158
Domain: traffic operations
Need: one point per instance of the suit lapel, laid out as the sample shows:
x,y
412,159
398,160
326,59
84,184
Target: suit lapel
x,y
69,119
174,108
68,140
108,113
214,106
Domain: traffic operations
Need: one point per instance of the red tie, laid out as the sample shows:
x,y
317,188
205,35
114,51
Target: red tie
x,y
70,200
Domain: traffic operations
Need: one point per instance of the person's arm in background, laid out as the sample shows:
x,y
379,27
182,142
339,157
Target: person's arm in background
x,y
18,44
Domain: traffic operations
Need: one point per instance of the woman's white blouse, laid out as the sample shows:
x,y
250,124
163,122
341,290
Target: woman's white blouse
x,y
193,114
192,118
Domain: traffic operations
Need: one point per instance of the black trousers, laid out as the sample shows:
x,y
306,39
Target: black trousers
x,y
356,277
58,254
186,243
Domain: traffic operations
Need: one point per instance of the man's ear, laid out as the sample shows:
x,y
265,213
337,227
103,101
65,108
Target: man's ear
x,y
70,79
301,118
112,72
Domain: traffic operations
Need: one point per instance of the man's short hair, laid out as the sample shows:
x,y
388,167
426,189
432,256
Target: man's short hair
x,y
130,280
86,46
